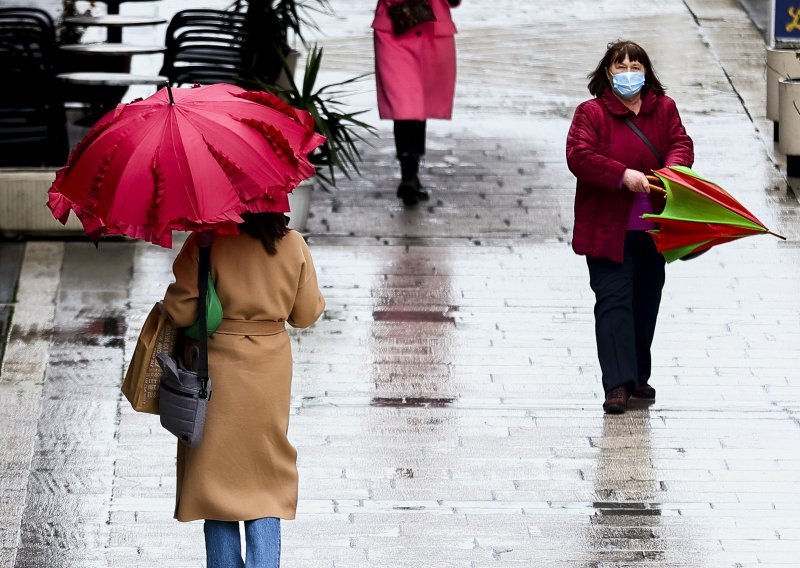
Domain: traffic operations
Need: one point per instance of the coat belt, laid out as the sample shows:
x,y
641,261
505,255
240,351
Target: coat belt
x,y
250,327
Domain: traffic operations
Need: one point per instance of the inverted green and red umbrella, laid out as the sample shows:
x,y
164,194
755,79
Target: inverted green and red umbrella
x,y
698,215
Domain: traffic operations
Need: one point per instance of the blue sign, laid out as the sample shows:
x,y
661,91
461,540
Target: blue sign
x,y
786,21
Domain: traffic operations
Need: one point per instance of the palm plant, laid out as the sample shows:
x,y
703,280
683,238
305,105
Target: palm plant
x,y
270,24
341,128
71,34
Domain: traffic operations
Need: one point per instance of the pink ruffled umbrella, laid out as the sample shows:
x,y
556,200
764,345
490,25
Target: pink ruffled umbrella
x,y
185,159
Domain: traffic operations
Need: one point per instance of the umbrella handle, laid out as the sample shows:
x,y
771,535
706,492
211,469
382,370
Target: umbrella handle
x,y
656,184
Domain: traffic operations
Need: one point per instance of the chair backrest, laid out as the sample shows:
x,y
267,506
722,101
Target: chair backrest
x,y
204,46
27,48
42,18
208,20
205,75
32,121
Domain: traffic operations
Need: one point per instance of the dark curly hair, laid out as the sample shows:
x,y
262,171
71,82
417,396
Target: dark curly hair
x,y
615,53
269,228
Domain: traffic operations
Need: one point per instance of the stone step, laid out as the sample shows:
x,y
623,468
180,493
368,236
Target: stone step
x,y
23,204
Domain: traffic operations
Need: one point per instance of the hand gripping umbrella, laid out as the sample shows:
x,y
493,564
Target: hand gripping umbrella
x,y
185,159
698,215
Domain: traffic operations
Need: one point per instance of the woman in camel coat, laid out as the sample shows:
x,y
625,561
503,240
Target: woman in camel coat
x,y
416,80
245,467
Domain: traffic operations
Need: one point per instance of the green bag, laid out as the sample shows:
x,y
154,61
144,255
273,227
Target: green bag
x,y
213,313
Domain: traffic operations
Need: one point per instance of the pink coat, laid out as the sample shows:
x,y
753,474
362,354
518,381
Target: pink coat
x,y
416,71
600,146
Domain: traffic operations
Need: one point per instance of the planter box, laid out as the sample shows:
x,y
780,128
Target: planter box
x,y
23,209
781,63
291,62
23,198
789,116
300,205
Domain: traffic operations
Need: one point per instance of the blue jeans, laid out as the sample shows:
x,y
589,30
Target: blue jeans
x,y
224,549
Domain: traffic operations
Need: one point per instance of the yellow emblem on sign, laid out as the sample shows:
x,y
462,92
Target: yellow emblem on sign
x,y
795,23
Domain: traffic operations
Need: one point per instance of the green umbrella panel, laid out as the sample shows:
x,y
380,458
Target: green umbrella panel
x,y
698,215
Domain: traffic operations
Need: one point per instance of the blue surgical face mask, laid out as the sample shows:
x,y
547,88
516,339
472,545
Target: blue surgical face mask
x,y
628,84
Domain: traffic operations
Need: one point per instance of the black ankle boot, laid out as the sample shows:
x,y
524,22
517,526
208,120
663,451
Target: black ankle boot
x,y
409,166
410,189
411,192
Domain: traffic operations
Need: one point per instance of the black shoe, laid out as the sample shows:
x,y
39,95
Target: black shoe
x,y
616,401
411,192
644,391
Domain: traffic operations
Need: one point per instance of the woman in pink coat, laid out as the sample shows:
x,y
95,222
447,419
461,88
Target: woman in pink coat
x,y
416,78
610,161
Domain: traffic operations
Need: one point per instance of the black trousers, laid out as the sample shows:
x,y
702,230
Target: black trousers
x,y
627,298
409,137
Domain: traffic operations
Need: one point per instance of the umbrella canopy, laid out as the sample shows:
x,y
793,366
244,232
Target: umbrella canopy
x,y
698,215
185,159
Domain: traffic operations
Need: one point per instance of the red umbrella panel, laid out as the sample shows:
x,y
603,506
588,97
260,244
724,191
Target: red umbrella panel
x,y
185,159
698,215
676,235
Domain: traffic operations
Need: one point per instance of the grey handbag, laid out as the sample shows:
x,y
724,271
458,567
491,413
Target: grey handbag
x,y
182,400
183,395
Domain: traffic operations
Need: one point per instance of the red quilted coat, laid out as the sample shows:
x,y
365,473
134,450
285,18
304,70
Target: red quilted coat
x,y
600,146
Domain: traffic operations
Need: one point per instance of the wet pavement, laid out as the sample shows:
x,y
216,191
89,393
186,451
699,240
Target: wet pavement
x,y
446,408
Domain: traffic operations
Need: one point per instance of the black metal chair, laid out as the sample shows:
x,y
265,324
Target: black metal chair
x,y
205,47
33,16
32,120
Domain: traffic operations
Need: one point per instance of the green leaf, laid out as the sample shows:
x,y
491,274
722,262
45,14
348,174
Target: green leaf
x,y
341,127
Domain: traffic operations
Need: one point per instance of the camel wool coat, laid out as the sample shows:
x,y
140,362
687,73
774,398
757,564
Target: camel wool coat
x,y
245,467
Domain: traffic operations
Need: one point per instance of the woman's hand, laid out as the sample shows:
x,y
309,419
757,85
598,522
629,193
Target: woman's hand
x,y
635,181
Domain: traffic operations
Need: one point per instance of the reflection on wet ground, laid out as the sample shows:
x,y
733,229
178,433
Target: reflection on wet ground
x,y
410,316
412,330
627,488
68,491
412,402
108,331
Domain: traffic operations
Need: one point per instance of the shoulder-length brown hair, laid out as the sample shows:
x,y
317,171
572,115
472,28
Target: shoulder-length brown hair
x,y
615,53
269,228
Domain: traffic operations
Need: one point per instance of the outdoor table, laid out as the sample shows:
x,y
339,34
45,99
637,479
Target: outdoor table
x,y
112,48
113,5
113,20
114,23
110,79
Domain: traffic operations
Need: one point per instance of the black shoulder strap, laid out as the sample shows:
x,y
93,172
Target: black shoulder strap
x,y
644,138
202,282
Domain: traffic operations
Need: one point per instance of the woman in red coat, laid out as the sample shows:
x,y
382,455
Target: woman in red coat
x,y
610,161
416,79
